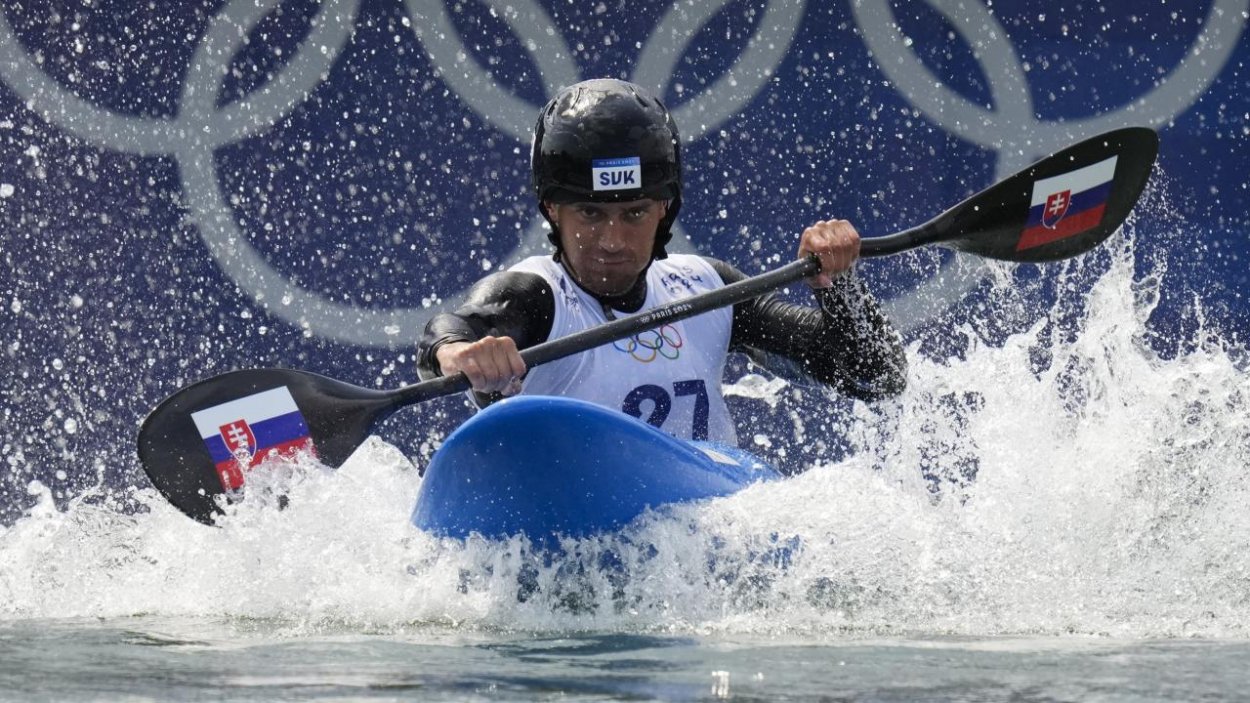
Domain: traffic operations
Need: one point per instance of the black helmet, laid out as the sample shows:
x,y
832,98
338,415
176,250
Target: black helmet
x,y
607,140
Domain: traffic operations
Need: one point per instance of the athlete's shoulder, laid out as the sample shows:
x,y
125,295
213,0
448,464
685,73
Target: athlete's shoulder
x,y
508,285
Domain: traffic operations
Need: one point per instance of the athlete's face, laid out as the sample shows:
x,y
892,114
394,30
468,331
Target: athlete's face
x,y
607,245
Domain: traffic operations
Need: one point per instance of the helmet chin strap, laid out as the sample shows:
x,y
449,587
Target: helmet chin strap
x,y
665,231
553,235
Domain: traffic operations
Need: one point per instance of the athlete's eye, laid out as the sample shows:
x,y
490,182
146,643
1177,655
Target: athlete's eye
x,y
637,214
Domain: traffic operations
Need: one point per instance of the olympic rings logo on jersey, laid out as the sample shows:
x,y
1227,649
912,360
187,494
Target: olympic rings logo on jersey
x,y
648,346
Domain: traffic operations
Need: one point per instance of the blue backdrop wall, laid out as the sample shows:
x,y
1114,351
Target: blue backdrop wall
x,y
195,187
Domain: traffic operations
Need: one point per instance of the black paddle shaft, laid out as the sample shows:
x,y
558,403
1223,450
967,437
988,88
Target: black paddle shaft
x,y
340,416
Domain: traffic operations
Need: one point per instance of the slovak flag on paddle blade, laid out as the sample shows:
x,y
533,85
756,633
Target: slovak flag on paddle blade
x,y
244,432
1065,205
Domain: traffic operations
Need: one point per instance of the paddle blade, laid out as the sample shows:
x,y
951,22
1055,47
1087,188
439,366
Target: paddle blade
x,y
201,442
1061,206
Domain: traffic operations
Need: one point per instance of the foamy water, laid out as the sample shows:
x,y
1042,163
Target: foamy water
x,y
1109,498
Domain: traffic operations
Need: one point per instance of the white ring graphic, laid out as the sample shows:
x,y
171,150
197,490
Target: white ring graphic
x,y
1011,129
146,136
740,84
210,211
474,84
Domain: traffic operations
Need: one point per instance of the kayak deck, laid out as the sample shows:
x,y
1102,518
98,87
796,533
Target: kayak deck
x,y
545,466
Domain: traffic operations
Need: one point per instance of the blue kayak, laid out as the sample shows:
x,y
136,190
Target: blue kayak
x,y
542,467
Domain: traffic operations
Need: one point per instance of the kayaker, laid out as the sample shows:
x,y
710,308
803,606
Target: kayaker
x,y
606,166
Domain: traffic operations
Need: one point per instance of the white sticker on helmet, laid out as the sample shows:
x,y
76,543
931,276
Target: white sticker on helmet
x,y
617,174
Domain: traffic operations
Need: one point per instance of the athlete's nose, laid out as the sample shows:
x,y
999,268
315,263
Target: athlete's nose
x,y
614,235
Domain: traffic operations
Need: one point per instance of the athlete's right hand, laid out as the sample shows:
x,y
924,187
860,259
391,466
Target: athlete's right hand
x,y
492,364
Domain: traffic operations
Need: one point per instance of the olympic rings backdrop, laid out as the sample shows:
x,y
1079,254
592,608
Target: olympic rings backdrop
x,y
188,188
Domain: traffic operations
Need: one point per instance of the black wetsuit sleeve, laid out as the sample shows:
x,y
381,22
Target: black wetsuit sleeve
x,y
845,342
506,304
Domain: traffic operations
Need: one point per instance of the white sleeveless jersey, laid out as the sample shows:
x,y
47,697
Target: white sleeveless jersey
x,y
669,377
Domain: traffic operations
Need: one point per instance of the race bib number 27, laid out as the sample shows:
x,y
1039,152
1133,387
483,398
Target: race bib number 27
x,y
661,402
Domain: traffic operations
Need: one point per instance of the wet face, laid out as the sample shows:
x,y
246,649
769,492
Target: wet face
x,y
607,245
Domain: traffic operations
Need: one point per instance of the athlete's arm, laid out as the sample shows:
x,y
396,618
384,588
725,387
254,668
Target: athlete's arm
x,y
845,342
503,313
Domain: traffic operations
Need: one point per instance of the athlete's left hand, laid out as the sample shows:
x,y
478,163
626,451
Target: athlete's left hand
x,y
836,243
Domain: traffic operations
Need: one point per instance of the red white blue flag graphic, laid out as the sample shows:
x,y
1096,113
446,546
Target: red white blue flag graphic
x,y
1065,205
244,432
